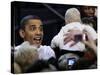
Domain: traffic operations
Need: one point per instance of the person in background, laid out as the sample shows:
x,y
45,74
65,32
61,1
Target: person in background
x,y
89,12
88,21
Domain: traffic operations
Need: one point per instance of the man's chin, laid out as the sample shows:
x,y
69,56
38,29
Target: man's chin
x,y
37,45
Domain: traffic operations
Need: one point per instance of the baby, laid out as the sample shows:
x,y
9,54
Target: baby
x,y
73,22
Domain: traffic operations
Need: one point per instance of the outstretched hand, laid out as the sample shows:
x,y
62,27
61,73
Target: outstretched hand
x,y
90,42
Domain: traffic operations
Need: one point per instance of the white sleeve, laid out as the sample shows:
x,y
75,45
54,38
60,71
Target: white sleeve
x,y
46,53
55,42
57,39
92,32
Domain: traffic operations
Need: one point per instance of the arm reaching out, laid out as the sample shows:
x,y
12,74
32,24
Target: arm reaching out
x,y
90,42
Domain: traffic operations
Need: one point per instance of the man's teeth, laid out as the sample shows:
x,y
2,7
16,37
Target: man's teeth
x,y
37,38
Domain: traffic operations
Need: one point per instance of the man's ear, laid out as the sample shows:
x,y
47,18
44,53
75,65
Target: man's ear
x,y
22,33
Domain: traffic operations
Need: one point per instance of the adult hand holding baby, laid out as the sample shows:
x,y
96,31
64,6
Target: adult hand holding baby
x,y
75,35
87,41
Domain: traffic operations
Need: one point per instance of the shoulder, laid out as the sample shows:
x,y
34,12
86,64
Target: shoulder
x,y
89,28
91,31
46,52
17,47
45,47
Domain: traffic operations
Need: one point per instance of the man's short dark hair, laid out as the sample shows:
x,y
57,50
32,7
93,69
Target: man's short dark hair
x,y
25,20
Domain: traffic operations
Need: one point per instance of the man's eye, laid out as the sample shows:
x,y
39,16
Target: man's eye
x,y
41,28
32,28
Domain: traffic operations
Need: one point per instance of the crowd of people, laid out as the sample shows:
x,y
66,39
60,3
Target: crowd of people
x,y
74,47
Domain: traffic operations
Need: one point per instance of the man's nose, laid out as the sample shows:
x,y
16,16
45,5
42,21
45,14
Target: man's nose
x,y
38,31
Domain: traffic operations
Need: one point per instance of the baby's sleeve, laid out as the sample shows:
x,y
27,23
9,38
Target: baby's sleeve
x,y
57,40
92,32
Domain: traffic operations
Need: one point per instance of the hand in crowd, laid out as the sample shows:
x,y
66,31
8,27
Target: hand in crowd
x,y
87,41
90,42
